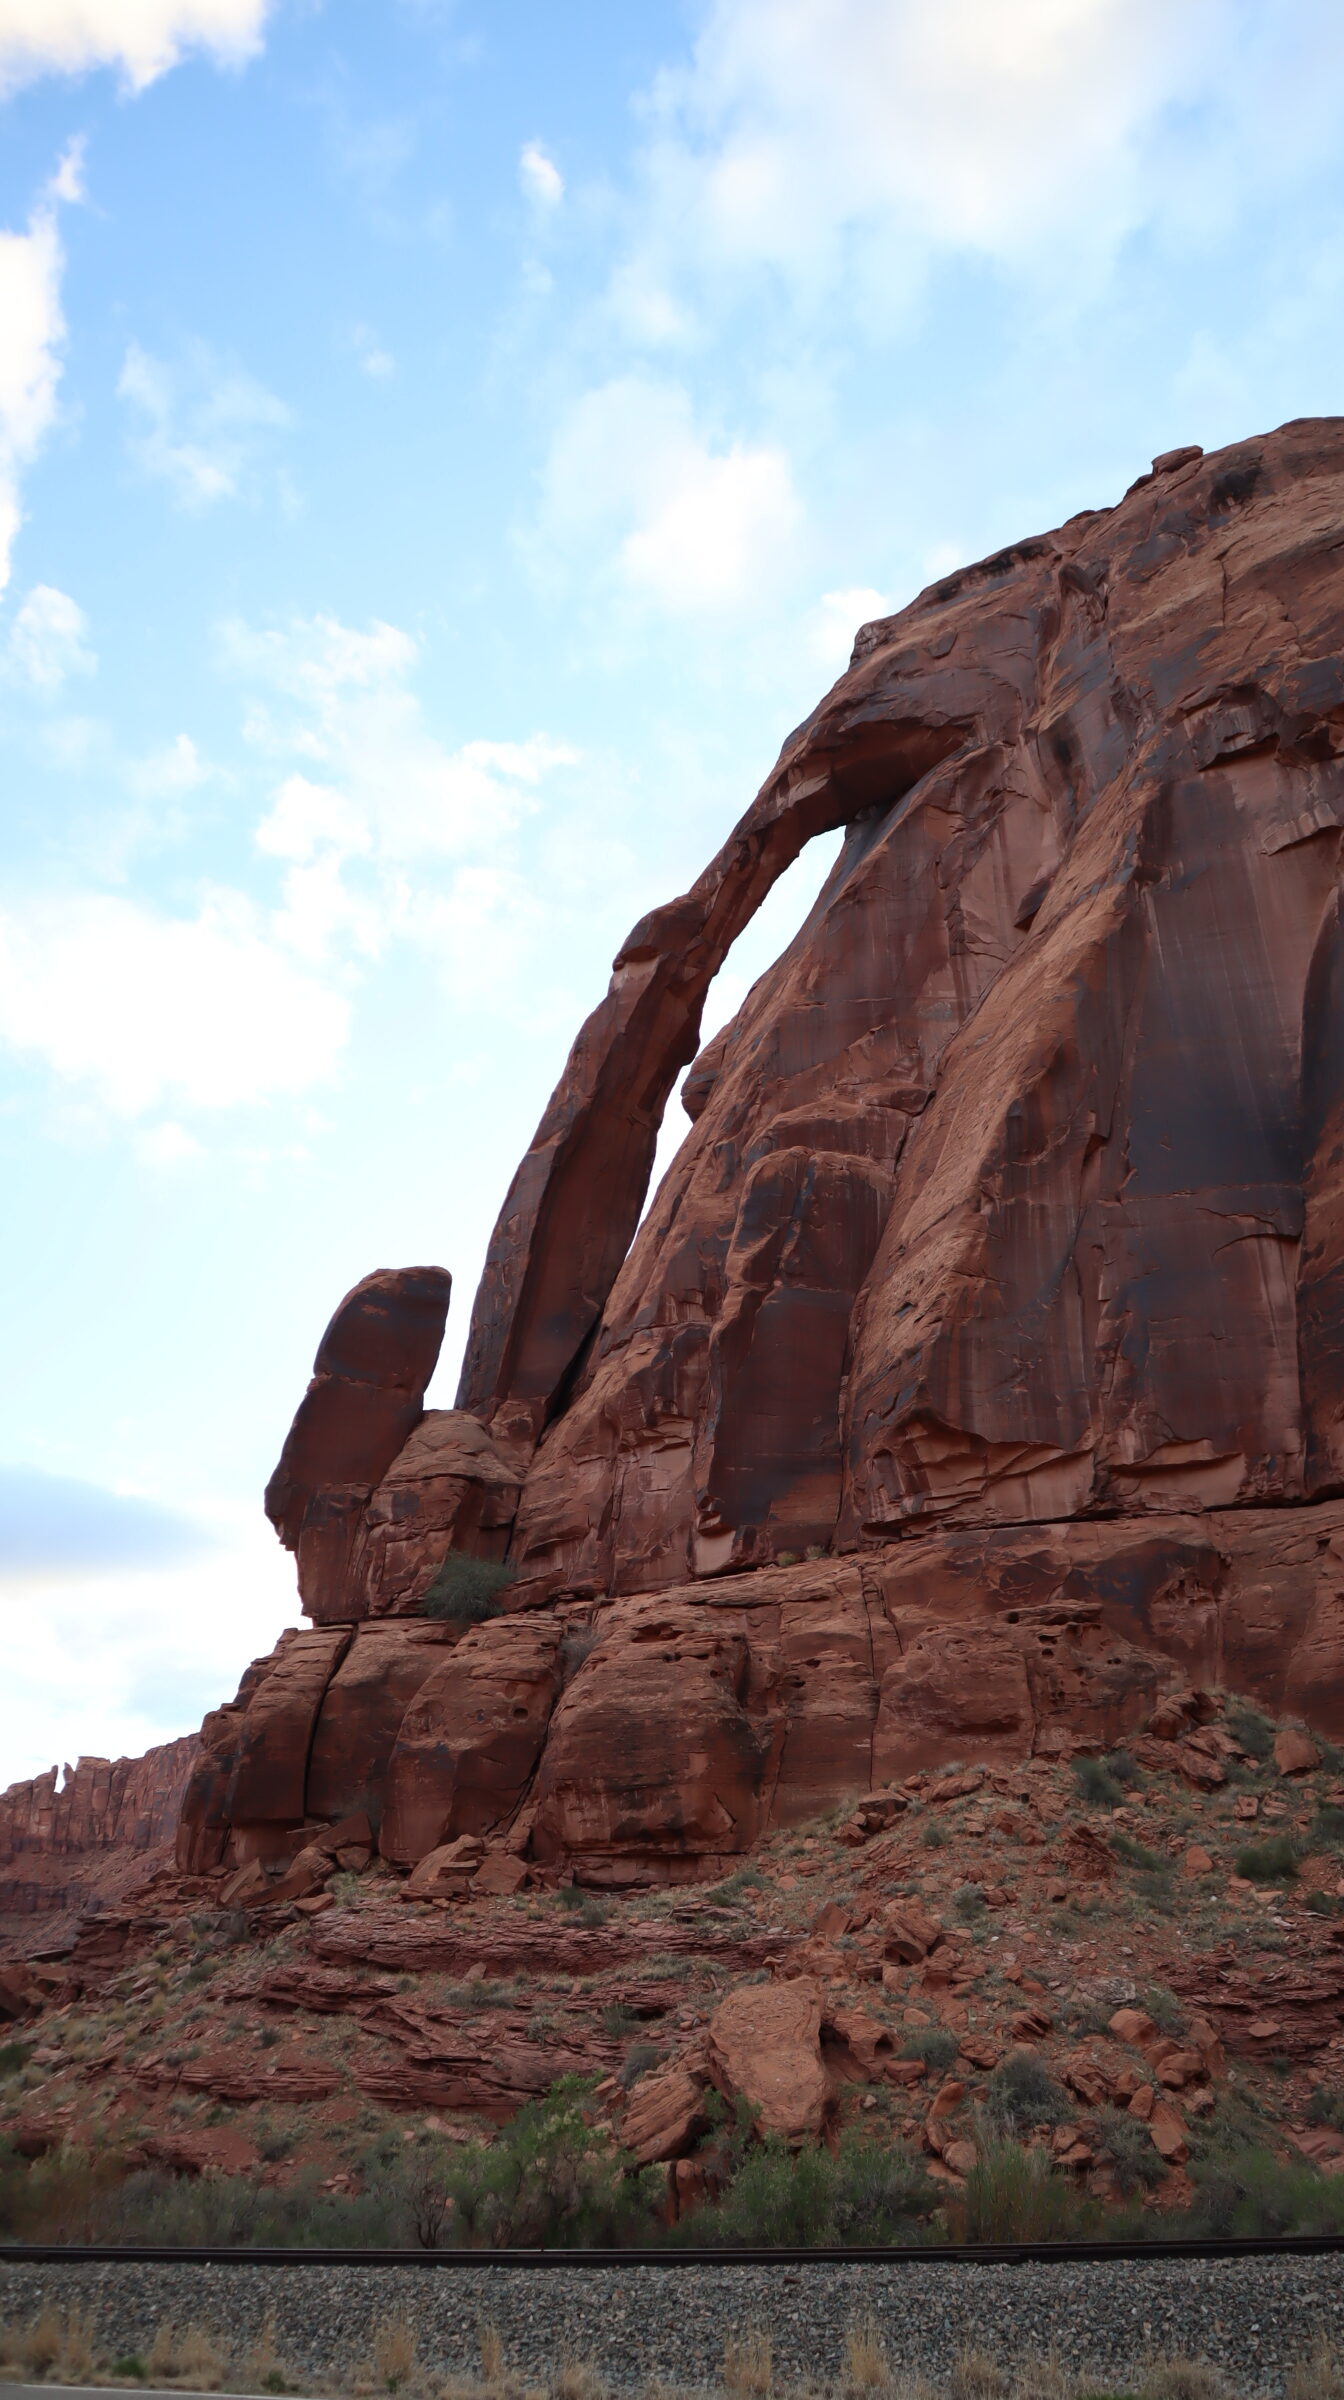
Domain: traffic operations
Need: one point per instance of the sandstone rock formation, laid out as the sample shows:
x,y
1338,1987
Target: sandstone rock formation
x,y
365,1400
107,1827
974,1385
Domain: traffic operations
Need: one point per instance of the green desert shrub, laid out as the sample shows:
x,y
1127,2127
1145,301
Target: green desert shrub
x,y
1128,2149
1136,1854
586,1908
1096,1783
75,2195
1022,2092
551,2180
1247,2191
742,1879
465,1590
1162,2005
1250,1729
1270,1861
866,2192
1015,2195
933,2043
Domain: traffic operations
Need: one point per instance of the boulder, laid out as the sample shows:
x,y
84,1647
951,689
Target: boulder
x,y
1295,1753
665,2116
449,1488
764,2047
447,1870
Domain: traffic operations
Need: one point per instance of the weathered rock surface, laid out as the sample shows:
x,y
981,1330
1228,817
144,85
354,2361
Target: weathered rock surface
x,y
765,2048
1007,1193
665,1737
365,1400
106,1828
973,1387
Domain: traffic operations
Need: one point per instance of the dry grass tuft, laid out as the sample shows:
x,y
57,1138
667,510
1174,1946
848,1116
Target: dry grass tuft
x,y
263,2366
749,2361
1320,2377
1047,2378
577,2380
492,2354
396,2354
867,2367
977,2376
55,2344
1183,2379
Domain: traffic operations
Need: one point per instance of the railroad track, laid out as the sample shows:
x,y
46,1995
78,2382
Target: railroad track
x,y
997,2254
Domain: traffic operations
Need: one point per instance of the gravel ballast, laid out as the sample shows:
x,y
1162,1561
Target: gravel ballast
x,y
1253,2317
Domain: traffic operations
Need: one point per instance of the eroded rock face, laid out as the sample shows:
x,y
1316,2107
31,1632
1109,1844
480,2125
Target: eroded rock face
x,y
365,1400
107,1827
1009,1191
974,1385
661,1740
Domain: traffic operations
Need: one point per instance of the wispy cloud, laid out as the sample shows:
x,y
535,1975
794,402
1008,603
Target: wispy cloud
x,y
539,177
200,423
144,1008
686,522
841,147
144,38
46,641
372,357
32,331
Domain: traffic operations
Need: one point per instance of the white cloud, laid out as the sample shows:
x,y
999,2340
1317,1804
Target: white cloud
x,y
849,140
373,358
541,180
144,38
385,832
168,1145
32,329
389,786
46,640
837,618
309,817
691,526
170,773
145,1008
201,424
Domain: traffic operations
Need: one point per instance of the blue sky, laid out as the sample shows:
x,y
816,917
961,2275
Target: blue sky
x,y
443,450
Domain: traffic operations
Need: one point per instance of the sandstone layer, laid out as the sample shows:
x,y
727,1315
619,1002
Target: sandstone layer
x,y
110,1825
974,1385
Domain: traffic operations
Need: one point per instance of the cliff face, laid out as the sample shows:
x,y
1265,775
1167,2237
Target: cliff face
x,y
108,1825
976,1378
1012,1190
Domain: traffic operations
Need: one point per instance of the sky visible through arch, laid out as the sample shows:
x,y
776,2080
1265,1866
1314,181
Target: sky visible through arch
x,y
444,447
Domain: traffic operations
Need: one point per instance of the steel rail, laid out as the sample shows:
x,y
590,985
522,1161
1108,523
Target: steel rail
x,y
984,2254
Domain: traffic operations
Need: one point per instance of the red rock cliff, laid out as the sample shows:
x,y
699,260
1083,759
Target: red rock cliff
x,y
977,1374
61,1849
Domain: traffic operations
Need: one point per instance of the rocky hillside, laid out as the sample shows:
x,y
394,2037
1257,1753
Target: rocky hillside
x,y
1128,1969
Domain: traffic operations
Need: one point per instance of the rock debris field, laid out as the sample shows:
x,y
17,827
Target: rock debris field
x,y
1255,2319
